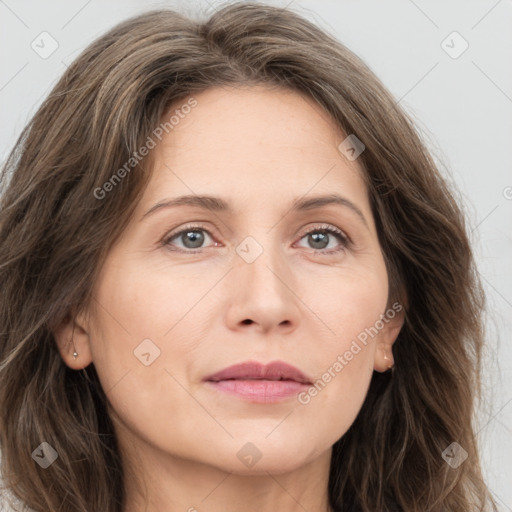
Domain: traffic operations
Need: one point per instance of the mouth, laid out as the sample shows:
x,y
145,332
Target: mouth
x,y
255,382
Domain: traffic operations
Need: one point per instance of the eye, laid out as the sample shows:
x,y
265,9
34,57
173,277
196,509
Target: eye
x,y
321,237
192,237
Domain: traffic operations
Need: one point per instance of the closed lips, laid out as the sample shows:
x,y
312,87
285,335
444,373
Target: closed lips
x,y
253,370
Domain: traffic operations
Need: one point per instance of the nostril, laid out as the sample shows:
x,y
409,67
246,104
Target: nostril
x,y
247,321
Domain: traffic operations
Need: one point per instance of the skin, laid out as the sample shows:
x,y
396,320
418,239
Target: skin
x,y
259,149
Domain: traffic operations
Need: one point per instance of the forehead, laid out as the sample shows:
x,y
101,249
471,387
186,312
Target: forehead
x,y
253,142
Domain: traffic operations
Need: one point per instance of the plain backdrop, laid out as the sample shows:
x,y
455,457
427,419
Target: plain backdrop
x,y
449,63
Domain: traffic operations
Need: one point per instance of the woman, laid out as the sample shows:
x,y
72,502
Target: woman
x,y
233,279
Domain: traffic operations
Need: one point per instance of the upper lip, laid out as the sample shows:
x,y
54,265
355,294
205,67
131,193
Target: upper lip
x,y
276,370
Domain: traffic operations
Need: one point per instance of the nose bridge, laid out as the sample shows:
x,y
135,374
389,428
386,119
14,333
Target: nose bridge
x,y
263,281
262,262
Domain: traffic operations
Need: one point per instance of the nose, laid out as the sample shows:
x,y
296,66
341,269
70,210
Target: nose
x,y
263,295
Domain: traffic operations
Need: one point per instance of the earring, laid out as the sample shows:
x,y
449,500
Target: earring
x,y
390,366
75,353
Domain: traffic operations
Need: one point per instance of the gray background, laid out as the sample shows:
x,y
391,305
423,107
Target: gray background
x,y
462,107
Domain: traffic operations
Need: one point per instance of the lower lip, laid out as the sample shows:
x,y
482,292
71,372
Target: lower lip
x,y
260,391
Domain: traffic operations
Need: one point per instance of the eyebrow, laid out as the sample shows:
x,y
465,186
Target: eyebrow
x,y
218,204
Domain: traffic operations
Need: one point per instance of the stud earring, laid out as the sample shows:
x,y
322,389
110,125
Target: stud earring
x,y
75,354
386,358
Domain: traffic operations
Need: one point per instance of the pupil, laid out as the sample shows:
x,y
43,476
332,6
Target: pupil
x,y
195,237
322,237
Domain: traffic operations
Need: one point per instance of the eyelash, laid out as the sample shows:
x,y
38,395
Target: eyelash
x,y
344,239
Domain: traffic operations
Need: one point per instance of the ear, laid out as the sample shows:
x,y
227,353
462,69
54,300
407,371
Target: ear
x,y
71,335
393,321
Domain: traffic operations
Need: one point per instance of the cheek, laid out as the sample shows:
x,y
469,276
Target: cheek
x,y
350,307
143,334
138,312
139,303
349,302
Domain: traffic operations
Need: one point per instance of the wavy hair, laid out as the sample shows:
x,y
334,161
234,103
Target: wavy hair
x,y
55,234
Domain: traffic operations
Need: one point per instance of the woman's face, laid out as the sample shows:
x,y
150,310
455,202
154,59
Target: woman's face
x,y
256,279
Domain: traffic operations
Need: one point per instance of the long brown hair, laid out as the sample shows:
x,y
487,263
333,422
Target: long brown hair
x,y
55,232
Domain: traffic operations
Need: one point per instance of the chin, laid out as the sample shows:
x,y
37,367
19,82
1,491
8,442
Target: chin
x,y
246,455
